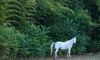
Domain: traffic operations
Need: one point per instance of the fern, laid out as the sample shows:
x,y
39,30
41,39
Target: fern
x,y
30,10
14,12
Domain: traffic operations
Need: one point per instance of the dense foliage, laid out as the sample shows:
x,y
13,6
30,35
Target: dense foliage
x,y
28,27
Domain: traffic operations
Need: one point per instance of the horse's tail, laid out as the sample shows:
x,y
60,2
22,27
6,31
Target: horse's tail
x,y
52,47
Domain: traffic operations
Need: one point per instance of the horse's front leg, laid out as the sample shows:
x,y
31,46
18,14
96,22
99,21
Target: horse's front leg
x,y
56,53
69,53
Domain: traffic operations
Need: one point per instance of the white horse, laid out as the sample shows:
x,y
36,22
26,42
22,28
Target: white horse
x,y
63,46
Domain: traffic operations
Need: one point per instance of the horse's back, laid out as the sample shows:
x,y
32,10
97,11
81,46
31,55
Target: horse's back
x,y
57,44
60,45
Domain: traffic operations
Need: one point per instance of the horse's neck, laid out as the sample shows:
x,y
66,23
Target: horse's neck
x,y
71,41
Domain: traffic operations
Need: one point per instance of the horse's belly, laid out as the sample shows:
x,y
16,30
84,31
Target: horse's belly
x,y
63,47
60,45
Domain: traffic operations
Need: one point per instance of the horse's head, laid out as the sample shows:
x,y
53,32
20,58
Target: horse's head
x,y
74,39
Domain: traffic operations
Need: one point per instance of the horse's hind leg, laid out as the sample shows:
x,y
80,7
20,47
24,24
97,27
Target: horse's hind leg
x,y
56,53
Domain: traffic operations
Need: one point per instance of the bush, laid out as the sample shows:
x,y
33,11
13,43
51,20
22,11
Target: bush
x,y
36,42
9,42
81,45
96,46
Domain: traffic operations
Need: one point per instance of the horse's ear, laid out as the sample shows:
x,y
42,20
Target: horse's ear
x,y
75,37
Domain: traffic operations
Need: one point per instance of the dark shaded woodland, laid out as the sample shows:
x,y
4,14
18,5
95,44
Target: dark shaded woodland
x,y
28,27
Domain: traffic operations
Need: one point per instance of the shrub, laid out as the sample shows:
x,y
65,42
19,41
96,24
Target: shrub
x,y
9,42
35,42
81,45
